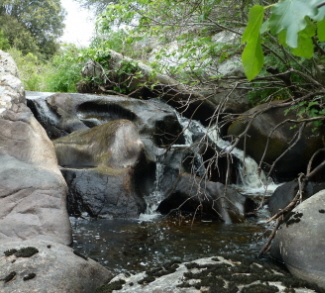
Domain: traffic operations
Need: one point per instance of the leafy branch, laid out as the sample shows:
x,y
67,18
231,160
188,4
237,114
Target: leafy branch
x,y
295,23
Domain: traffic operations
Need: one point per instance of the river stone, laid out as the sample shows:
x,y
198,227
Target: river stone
x,y
293,162
48,267
301,240
103,192
209,199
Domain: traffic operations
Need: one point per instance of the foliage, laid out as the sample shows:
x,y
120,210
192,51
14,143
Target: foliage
x,y
60,74
64,70
18,35
4,43
296,23
29,69
32,26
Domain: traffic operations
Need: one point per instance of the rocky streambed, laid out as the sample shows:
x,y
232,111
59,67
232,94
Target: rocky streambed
x,y
112,162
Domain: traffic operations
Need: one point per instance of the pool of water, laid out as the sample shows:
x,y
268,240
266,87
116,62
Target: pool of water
x,y
135,245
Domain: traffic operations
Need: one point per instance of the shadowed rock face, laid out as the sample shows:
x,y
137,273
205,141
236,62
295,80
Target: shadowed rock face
x,y
300,241
103,192
269,123
207,199
285,193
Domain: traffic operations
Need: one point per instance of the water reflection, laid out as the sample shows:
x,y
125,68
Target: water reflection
x,y
133,246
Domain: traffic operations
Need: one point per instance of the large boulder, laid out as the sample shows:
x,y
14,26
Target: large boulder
x,y
34,224
110,158
32,189
61,114
42,266
300,241
270,124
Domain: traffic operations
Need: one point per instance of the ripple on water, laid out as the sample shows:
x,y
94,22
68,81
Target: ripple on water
x,y
126,245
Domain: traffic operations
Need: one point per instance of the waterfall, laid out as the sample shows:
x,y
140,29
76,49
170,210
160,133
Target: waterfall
x,y
155,197
252,180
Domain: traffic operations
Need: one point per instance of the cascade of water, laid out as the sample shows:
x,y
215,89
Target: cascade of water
x,y
251,177
252,181
155,197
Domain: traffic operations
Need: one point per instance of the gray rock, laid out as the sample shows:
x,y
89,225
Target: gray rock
x,y
300,240
7,65
285,193
32,189
103,193
11,88
33,202
53,268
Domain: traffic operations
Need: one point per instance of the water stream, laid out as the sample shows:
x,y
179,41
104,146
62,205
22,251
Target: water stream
x,y
135,245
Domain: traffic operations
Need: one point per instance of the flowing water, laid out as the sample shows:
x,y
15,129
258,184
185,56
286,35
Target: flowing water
x,y
152,240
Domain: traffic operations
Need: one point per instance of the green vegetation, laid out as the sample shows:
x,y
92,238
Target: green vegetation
x,y
297,24
32,26
60,74
282,52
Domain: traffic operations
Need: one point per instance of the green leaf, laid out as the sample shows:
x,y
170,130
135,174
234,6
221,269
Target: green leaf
x,y
290,16
321,30
253,57
305,43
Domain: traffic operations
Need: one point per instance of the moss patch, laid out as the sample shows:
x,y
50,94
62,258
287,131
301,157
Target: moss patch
x,y
244,272
166,269
9,277
292,218
146,280
10,252
26,252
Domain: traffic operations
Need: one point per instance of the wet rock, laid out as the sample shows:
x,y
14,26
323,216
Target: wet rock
x,y
51,268
300,241
103,192
71,112
210,199
268,123
120,175
285,193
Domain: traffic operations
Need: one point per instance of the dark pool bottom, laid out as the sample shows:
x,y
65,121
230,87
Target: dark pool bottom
x,y
133,246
